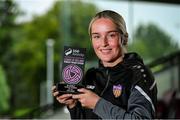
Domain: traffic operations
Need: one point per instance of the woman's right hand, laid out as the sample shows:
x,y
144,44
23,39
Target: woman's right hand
x,y
64,98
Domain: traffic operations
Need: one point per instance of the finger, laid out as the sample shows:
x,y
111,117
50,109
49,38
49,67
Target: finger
x,y
65,96
83,90
55,94
60,100
65,100
77,96
69,101
53,87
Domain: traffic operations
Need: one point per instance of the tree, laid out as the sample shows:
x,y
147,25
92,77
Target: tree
x,y
4,90
8,14
152,42
30,47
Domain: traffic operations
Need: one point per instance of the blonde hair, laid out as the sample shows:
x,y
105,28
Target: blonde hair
x,y
116,18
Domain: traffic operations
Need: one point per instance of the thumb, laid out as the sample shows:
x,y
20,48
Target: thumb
x,y
83,90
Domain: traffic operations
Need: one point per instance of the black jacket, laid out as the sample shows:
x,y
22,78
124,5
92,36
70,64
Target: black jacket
x,y
127,91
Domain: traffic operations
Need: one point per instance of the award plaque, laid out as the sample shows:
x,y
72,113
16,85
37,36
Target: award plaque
x,y
72,70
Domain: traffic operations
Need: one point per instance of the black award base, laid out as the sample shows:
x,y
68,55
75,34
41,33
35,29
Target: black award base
x,y
68,88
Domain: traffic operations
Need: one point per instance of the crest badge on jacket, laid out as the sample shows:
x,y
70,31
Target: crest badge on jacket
x,y
117,90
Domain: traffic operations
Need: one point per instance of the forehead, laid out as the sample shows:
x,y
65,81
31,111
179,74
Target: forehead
x,y
102,25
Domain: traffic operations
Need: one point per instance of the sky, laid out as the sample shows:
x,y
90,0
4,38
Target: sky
x,y
166,16
33,7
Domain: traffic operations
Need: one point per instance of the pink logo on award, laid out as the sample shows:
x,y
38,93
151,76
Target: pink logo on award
x,y
72,74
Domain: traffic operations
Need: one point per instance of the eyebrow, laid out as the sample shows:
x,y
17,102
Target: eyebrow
x,y
107,31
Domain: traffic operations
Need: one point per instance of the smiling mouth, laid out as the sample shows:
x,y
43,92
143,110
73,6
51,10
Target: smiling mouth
x,y
105,51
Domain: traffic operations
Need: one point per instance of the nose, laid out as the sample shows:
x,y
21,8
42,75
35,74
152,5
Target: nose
x,y
104,41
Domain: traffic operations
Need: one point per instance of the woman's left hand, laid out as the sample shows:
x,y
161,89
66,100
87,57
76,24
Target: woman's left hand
x,y
87,98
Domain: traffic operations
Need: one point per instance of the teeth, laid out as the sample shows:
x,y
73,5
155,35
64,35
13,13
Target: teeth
x,y
105,51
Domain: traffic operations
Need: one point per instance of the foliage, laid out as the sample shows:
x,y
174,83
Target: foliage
x,y
30,47
4,92
79,28
8,14
21,112
23,47
151,42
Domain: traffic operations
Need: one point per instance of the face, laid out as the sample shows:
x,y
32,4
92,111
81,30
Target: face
x,y
106,40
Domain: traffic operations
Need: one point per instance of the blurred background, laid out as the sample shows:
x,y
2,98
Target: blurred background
x,y
33,33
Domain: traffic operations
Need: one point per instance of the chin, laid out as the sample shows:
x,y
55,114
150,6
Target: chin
x,y
106,60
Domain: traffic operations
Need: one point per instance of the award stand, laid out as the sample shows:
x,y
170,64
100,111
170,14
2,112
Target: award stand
x,y
72,70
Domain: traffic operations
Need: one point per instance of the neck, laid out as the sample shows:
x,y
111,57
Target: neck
x,y
114,63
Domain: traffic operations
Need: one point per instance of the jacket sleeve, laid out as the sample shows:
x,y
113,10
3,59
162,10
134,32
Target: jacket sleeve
x,y
141,102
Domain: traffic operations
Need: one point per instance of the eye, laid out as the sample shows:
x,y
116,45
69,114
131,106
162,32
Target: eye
x,y
112,35
96,36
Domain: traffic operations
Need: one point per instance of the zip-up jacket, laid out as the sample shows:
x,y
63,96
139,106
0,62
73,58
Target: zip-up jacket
x,y
127,90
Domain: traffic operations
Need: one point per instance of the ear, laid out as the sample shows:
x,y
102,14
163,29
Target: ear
x,y
125,39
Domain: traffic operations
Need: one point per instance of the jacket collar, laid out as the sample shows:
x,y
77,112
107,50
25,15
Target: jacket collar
x,y
129,58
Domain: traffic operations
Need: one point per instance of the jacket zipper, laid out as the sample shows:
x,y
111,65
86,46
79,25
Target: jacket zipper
x,y
107,83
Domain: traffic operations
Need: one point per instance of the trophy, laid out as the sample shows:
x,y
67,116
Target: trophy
x,y
72,70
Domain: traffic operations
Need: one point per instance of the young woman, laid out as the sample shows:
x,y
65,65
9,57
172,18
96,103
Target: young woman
x,y
124,86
